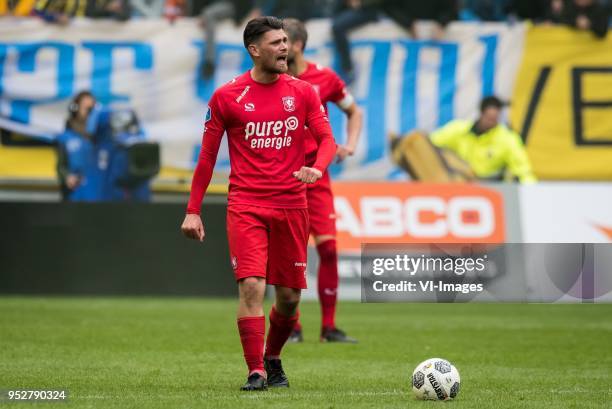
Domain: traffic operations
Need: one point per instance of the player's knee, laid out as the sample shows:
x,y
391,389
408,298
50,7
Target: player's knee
x,y
288,298
252,291
287,308
287,301
291,305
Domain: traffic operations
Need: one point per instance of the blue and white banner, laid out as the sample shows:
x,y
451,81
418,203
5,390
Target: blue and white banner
x,y
153,66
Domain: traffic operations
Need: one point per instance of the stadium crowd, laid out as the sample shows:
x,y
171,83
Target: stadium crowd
x,y
346,15
582,14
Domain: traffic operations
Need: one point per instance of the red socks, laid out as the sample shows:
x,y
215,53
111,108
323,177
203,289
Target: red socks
x,y
252,331
328,281
280,329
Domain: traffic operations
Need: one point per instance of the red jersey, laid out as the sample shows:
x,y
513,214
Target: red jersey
x,y
265,125
330,88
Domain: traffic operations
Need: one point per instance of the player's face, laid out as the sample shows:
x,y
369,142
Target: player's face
x,y
489,118
272,51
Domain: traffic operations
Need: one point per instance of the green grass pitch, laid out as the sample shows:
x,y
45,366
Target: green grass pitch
x,y
185,353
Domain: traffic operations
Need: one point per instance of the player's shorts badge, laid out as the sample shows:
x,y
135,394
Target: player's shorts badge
x,y
234,262
289,104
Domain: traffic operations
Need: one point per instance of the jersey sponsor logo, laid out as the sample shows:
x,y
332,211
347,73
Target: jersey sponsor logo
x,y
243,93
289,103
249,107
270,134
400,213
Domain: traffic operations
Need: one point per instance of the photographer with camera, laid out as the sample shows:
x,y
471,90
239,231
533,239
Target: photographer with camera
x,y
133,161
103,154
78,168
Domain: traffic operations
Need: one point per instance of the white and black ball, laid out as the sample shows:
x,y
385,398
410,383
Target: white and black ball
x,y
435,379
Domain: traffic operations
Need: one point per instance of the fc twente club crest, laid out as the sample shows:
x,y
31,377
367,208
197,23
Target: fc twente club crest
x,y
289,104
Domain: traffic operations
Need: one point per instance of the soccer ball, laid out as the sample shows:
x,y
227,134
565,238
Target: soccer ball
x,y
435,379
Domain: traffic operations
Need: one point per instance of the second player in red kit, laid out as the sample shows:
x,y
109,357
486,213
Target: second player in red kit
x,y
264,113
320,197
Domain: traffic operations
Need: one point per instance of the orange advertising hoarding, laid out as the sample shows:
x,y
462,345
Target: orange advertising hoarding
x,y
401,212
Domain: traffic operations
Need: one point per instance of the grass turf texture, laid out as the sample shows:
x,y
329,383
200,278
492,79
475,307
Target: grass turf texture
x,y
185,353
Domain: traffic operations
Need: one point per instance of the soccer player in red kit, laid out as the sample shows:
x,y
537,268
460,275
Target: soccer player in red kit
x,y
264,113
320,198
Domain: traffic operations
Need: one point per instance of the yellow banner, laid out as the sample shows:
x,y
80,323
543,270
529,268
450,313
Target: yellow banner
x,y
562,104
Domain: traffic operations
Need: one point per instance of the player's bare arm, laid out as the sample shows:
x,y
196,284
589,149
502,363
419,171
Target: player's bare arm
x,y
354,124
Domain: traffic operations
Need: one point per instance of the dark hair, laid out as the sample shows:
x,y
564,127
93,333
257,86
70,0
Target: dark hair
x,y
491,102
73,107
258,27
296,31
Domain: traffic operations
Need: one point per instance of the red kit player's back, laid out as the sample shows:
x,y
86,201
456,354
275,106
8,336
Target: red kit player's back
x,y
330,89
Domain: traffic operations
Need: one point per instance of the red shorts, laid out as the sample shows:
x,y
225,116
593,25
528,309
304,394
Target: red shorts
x,y
321,207
268,242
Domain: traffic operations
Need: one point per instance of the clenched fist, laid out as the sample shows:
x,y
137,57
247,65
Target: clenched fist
x,y
342,151
308,175
192,227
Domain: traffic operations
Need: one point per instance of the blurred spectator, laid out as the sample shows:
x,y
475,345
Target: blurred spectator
x,y
356,13
407,12
535,10
587,15
60,11
237,10
194,7
485,10
174,9
111,9
103,154
17,8
322,8
78,170
147,8
489,147
301,10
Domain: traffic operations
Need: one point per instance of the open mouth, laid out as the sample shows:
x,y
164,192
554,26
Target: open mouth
x,y
281,58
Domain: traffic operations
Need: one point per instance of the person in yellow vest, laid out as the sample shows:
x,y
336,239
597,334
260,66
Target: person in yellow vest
x,y
492,150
